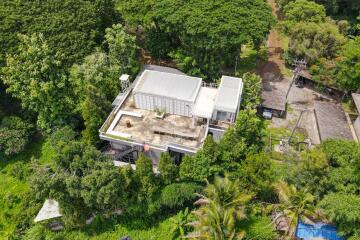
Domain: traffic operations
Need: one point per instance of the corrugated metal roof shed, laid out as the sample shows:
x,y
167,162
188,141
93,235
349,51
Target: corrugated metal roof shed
x,y
229,94
168,85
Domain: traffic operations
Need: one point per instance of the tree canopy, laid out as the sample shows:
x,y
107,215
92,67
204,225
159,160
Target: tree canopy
x,y
304,11
348,66
35,76
14,135
312,41
73,28
206,34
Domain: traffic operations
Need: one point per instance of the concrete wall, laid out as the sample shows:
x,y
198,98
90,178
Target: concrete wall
x,y
172,106
356,125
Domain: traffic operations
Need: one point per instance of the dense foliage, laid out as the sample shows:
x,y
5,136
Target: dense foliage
x,y
205,36
14,135
73,28
35,76
331,173
61,62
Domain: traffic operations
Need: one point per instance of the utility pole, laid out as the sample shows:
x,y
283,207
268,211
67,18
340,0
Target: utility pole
x,y
299,65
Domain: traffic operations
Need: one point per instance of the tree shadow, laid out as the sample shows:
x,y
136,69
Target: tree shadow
x,y
271,72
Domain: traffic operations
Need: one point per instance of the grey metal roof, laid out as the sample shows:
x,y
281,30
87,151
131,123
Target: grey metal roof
x,y
169,85
356,98
273,97
163,69
331,121
229,94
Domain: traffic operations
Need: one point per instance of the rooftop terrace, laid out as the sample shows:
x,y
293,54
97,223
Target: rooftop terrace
x,y
143,126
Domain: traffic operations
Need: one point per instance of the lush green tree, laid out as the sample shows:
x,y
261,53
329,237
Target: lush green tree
x,y
82,180
251,128
94,109
312,41
296,204
146,178
103,189
122,49
259,228
222,208
168,170
344,210
73,28
256,174
252,91
348,66
324,71
343,158
304,11
202,165
14,135
35,76
178,194
96,80
333,7
205,42
232,150
95,83
310,171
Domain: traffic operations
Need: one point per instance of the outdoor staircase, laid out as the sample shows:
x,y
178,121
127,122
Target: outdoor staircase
x,y
128,154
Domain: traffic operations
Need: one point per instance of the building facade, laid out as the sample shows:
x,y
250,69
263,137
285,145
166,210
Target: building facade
x,y
165,110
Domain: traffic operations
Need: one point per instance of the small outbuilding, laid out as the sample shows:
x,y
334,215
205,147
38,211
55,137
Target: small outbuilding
x,y
273,99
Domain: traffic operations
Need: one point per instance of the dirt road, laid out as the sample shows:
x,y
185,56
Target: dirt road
x,y
271,70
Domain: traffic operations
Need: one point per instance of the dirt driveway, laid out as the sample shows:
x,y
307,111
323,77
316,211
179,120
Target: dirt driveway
x,y
299,99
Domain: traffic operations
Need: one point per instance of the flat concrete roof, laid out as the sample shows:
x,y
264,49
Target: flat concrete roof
x,y
170,85
204,105
146,127
229,93
331,121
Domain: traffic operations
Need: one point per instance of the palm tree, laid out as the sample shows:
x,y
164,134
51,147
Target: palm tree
x,y
295,204
222,205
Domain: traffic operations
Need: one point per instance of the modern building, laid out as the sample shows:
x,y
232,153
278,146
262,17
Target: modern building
x,y
164,110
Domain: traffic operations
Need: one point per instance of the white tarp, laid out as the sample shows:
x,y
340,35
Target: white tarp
x,y
49,210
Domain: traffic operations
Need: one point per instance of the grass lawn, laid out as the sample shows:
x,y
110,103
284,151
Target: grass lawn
x,y
250,59
160,231
13,186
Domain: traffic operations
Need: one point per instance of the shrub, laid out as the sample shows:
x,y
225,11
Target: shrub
x,y
14,135
168,169
178,194
259,228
